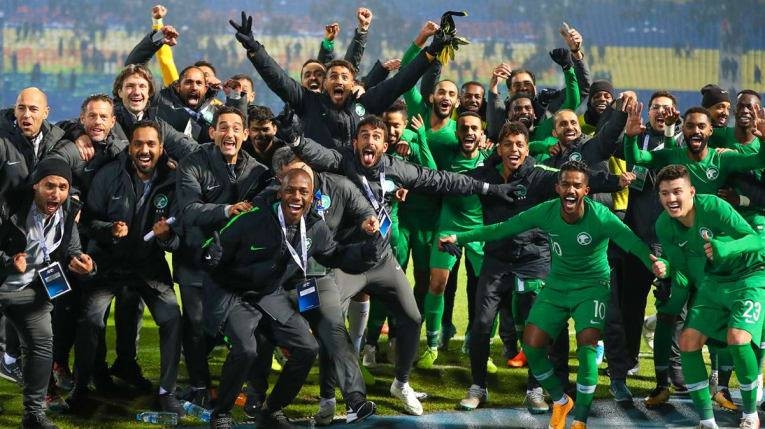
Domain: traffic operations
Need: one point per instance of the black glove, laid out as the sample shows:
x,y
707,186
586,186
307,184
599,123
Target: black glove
x,y
289,127
440,40
562,57
546,95
244,33
663,289
451,249
214,252
507,192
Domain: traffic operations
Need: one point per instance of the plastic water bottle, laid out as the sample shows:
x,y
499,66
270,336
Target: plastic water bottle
x,y
158,417
195,410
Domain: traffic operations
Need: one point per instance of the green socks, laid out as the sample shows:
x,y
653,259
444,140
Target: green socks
x,y
434,311
542,370
586,381
695,374
747,370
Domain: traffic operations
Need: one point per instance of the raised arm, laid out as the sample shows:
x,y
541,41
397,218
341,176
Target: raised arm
x,y
164,54
318,156
523,221
582,71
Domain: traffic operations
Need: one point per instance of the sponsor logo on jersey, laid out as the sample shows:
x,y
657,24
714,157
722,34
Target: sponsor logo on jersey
x,y
583,239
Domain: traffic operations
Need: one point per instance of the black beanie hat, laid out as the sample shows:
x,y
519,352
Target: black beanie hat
x,y
602,85
52,167
713,94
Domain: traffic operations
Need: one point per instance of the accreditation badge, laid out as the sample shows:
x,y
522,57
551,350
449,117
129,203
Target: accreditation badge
x,y
385,222
640,175
307,295
54,280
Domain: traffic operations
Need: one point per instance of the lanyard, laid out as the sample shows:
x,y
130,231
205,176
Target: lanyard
x,y
301,262
377,204
40,224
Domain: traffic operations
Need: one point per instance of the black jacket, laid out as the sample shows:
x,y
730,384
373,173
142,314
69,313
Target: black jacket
x,y
168,103
114,196
527,254
13,234
203,190
84,171
324,122
256,264
17,157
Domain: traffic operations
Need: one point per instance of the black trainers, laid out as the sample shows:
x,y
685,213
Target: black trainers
x,y
130,372
37,421
168,402
362,411
221,421
276,419
79,398
12,372
253,405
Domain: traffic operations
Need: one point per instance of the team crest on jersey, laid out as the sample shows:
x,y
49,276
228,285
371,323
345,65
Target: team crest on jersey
x,y
389,186
583,239
705,232
575,156
359,109
712,173
160,201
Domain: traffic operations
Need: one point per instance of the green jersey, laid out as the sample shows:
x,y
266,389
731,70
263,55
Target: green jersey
x,y
738,251
443,142
726,138
579,250
707,175
418,210
462,213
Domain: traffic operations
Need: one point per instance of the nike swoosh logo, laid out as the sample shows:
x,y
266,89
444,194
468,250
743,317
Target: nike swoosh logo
x,y
88,169
13,163
211,187
256,248
683,243
594,321
117,198
208,257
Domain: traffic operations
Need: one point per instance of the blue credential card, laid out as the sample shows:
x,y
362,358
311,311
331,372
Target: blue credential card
x,y
385,223
54,280
307,295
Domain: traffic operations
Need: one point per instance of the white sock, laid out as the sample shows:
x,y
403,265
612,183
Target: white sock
x,y
708,423
399,384
162,390
9,360
358,315
753,415
562,401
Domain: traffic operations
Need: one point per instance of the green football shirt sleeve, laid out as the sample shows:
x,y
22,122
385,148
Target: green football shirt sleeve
x,y
572,98
415,104
734,161
424,155
521,222
745,239
636,156
671,252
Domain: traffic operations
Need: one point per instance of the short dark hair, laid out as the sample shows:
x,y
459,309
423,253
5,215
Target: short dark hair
x,y
145,123
472,83
183,72
517,72
242,76
281,157
700,110
663,93
576,166
514,128
222,110
520,95
342,63
375,122
96,97
672,172
467,113
139,69
204,63
398,106
259,114
748,91
311,61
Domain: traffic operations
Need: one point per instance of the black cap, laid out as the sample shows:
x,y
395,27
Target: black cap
x,y
52,167
602,85
713,94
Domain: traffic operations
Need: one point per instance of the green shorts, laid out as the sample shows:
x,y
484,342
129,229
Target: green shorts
x,y
553,307
713,314
418,241
439,259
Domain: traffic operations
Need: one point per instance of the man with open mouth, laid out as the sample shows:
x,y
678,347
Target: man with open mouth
x,y
577,286
378,175
39,232
259,254
712,245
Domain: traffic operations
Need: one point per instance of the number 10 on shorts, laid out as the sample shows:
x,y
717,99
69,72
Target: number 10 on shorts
x,y
600,310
